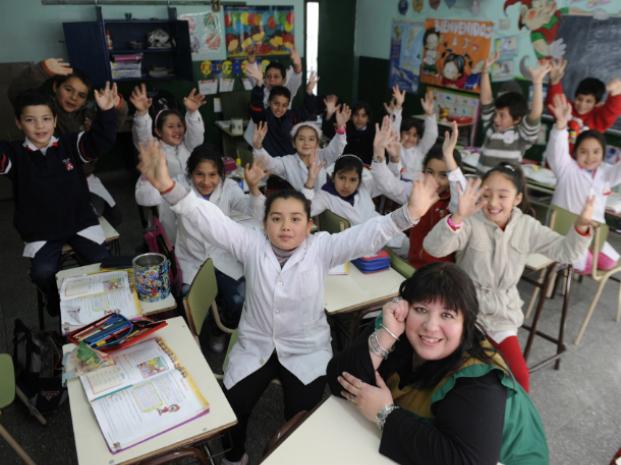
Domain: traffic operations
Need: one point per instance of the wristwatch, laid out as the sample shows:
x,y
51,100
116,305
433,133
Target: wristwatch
x,y
380,419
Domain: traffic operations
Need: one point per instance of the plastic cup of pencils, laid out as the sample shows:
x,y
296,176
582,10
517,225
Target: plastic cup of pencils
x,y
152,276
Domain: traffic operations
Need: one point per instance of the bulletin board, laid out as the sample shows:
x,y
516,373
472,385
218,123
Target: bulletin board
x,y
454,52
267,29
454,105
406,53
206,30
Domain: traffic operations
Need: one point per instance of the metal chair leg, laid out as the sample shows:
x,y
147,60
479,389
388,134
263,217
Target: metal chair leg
x,y
590,311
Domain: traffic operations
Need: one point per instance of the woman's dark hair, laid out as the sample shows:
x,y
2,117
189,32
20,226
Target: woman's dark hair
x,y
33,97
76,73
591,134
205,152
435,153
448,283
348,162
160,119
286,194
513,173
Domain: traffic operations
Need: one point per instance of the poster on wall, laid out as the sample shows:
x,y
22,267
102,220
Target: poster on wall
x,y
406,53
206,35
268,30
454,52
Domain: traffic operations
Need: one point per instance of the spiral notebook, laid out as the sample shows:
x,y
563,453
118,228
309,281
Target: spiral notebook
x,y
144,394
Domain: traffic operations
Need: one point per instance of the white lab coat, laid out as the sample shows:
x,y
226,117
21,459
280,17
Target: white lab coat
x,y
284,307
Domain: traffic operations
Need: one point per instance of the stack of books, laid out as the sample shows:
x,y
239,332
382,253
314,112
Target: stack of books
x,y
126,66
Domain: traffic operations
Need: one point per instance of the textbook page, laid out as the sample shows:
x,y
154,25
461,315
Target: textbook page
x,y
131,416
133,365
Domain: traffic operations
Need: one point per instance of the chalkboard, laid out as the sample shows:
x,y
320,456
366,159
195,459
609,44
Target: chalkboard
x,y
592,50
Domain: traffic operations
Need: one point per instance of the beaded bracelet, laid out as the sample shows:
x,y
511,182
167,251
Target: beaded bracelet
x,y
376,348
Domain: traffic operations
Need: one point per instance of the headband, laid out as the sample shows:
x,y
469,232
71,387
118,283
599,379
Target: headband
x,y
308,124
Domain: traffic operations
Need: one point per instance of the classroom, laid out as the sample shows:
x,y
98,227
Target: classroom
x,y
310,231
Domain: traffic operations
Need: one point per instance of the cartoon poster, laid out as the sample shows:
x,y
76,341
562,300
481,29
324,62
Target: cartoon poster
x,y
454,52
406,54
268,30
206,35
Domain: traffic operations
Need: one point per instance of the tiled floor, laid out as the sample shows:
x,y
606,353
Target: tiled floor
x,y
580,404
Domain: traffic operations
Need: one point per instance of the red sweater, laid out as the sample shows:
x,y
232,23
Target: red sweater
x,y
417,255
600,118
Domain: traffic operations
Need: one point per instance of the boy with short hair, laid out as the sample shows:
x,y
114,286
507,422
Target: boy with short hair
x,y
52,203
588,111
279,118
510,129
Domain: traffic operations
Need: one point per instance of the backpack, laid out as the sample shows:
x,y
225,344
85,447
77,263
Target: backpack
x,y
37,357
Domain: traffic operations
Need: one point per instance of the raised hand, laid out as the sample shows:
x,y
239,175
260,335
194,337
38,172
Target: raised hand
x,y
296,61
253,175
381,139
315,166
398,96
583,222
194,101
394,314
448,146
259,134
539,73
140,100
490,61
58,67
424,194
470,201
343,113
313,79
427,102
153,165
253,70
393,147
561,109
557,70
614,87
107,97
331,103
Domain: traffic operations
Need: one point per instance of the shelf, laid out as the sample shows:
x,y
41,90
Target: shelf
x,y
132,51
146,78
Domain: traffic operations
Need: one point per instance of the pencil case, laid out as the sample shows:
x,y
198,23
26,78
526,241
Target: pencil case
x,y
373,263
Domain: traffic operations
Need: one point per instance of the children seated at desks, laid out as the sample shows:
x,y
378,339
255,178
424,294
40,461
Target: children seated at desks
x,y
416,139
433,384
52,206
580,176
283,331
279,118
492,235
306,136
179,135
588,110
509,128
444,164
275,75
75,112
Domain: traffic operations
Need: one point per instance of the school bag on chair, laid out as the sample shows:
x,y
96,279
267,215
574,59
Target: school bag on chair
x,y
37,357
158,241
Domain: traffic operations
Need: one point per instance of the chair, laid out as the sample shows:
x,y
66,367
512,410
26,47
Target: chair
x,y
7,395
332,223
180,456
399,264
245,155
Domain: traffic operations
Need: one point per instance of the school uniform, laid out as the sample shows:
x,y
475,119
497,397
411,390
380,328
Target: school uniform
x,y
283,313
176,157
52,205
412,158
291,167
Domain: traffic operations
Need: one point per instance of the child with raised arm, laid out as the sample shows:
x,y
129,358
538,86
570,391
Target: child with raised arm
x,y
510,129
305,136
443,163
178,134
492,238
416,138
582,175
283,331
588,110
52,204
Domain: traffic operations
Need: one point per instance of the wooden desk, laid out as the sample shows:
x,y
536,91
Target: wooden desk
x,y
358,291
90,445
336,433
147,308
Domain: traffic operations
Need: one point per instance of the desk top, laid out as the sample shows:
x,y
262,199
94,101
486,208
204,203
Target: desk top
x,y
148,308
356,290
343,434
89,442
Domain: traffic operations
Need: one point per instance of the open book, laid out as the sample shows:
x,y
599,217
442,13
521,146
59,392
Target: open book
x,y
145,393
84,299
